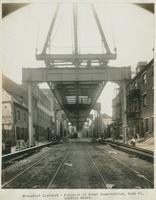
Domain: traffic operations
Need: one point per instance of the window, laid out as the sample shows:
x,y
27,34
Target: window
x,y
42,115
146,125
131,107
144,78
136,105
24,117
35,102
18,115
152,72
38,113
144,100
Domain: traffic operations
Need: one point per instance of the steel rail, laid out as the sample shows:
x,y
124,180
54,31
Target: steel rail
x,y
131,169
125,165
142,153
61,164
24,171
28,168
133,147
58,169
99,173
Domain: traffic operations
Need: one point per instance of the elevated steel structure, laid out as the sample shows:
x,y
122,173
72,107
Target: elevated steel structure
x,y
70,85
76,79
76,89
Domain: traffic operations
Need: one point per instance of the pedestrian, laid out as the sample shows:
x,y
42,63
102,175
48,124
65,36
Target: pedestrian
x,y
133,141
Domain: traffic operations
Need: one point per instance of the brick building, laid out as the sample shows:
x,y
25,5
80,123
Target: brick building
x,y
140,103
117,115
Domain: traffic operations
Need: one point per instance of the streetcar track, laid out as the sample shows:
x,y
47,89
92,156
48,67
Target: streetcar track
x,y
24,171
99,173
133,170
58,169
67,152
101,178
28,168
91,161
63,161
123,164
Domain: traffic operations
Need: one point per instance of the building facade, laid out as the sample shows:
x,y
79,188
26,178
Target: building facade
x,y
43,122
97,125
15,113
14,119
140,103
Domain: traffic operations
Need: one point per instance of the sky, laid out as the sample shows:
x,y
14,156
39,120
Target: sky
x,y
127,27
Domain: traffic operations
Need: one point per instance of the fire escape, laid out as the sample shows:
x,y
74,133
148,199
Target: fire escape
x,y
133,111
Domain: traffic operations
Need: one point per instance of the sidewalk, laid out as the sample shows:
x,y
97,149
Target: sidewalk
x,y
13,148
148,144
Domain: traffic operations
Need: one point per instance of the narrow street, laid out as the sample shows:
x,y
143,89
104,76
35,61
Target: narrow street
x,y
79,164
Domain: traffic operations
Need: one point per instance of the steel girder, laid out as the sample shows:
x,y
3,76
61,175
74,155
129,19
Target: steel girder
x,y
95,74
76,89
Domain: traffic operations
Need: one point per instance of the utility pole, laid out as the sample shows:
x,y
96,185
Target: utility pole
x,y
30,114
124,107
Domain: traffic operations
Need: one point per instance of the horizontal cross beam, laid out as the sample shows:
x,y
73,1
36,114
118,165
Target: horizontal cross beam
x,y
71,57
40,75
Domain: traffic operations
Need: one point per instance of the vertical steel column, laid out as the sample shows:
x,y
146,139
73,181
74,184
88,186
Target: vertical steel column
x,y
124,107
103,37
50,29
76,62
55,121
30,114
75,28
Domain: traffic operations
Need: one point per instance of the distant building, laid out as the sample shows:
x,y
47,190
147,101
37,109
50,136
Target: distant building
x,y
59,120
117,115
140,103
97,125
107,121
61,124
43,128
